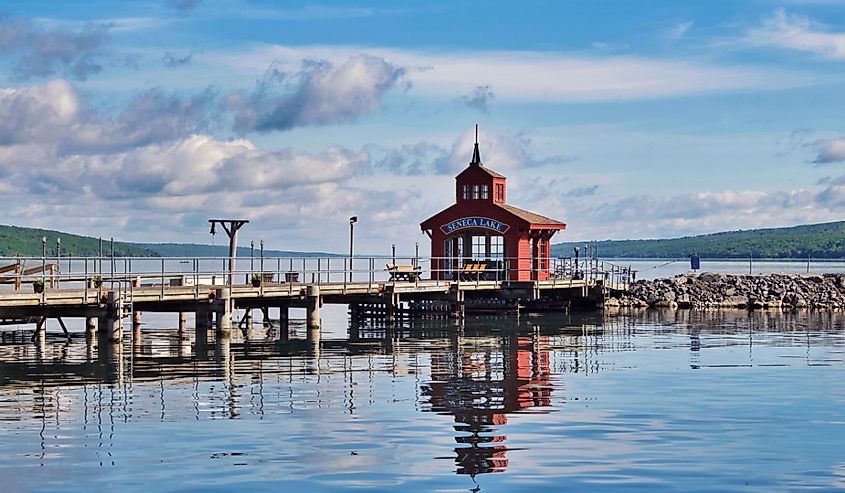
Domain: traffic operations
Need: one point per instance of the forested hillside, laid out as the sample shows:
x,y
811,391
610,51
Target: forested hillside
x,y
26,242
816,240
825,240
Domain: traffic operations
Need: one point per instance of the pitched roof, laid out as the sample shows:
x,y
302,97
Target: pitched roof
x,y
483,169
530,216
491,172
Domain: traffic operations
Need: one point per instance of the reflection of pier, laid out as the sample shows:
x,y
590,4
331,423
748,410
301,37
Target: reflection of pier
x,y
480,387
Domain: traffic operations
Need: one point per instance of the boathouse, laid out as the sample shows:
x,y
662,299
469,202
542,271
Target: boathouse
x,y
481,236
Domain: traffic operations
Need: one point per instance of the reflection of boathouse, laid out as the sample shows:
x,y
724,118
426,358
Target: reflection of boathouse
x,y
479,389
482,227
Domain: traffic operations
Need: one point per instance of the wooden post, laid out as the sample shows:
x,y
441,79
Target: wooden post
x,y
110,324
183,326
136,332
248,320
457,302
64,328
224,314
90,327
392,307
202,322
40,335
313,339
284,325
313,308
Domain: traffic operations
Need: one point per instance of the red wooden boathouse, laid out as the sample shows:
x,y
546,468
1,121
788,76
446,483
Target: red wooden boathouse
x,y
481,227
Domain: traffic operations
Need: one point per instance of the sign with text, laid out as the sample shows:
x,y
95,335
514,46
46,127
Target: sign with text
x,y
475,222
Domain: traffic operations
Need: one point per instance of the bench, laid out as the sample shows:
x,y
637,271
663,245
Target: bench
x,y
473,271
404,272
482,270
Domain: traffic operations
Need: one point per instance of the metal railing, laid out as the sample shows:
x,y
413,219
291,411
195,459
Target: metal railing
x,y
95,275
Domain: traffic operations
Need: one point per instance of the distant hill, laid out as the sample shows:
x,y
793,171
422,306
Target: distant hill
x,y
197,250
26,242
825,240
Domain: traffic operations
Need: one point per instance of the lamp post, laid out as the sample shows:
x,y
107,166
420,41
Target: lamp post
x,y
352,221
43,262
58,259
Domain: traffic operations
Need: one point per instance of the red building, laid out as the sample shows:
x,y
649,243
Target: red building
x,y
481,227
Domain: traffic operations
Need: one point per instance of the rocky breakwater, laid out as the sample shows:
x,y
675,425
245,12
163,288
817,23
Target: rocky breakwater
x,y
708,290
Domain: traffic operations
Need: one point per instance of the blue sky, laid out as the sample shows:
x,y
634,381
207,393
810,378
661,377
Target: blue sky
x,y
141,119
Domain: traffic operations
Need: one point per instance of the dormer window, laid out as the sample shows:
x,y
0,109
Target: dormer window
x,y
499,195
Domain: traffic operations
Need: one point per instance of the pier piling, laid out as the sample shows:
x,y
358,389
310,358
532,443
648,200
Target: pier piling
x,y
284,325
109,324
90,328
313,308
224,313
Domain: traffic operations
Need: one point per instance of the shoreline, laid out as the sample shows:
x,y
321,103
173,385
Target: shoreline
x,y
713,290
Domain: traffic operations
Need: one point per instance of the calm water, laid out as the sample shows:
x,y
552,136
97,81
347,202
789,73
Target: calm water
x,y
659,402
657,268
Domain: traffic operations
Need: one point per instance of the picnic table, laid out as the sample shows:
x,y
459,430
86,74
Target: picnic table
x,y
400,272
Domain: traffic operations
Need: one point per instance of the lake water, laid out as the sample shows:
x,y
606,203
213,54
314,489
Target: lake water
x,y
659,268
660,401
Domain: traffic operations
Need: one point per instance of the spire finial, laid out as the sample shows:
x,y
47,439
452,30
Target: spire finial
x,y
476,156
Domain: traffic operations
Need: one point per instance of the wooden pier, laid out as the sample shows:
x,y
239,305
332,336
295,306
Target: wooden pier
x,y
129,287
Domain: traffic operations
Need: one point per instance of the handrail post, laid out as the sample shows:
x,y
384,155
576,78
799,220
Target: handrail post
x,y
85,295
162,279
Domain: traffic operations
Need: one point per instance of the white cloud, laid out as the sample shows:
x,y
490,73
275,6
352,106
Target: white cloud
x,y
539,76
195,165
500,151
644,216
38,113
55,113
798,33
831,151
319,93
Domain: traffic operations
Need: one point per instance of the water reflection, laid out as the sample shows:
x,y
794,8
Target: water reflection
x,y
462,393
480,386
